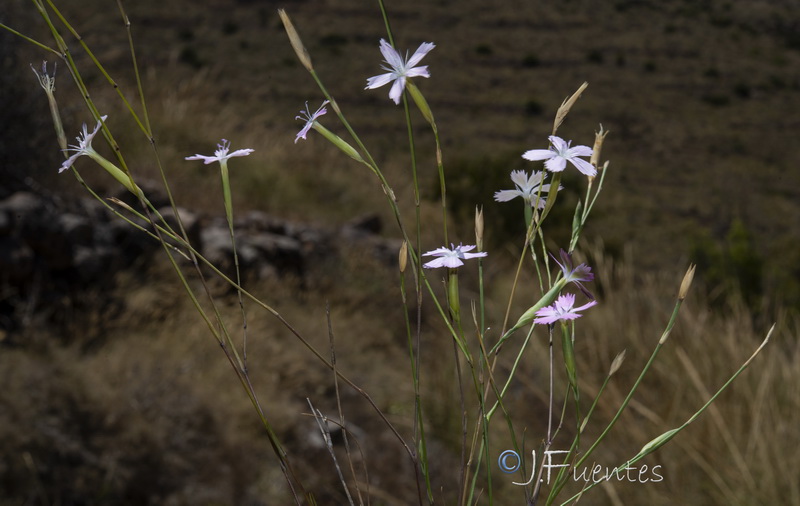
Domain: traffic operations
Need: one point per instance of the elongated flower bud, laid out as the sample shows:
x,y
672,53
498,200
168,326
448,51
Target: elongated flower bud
x,y
479,228
294,39
452,294
686,283
403,256
547,299
599,137
422,104
338,142
566,106
617,363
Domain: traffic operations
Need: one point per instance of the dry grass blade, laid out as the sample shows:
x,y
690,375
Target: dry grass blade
x,y
566,106
322,423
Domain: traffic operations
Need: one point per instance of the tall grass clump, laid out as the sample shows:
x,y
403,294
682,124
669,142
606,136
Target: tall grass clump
x,y
508,396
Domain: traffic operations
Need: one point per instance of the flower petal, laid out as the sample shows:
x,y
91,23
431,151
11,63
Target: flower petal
x,y
555,164
578,151
519,177
391,55
586,306
538,154
437,252
378,81
418,72
506,195
445,261
421,51
206,159
68,162
583,166
302,133
241,152
558,143
397,89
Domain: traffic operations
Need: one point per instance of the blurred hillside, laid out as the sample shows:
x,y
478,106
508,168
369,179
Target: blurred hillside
x,y
700,99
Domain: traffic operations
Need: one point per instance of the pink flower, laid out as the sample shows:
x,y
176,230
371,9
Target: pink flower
x,y
562,309
574,274
560,153
451,258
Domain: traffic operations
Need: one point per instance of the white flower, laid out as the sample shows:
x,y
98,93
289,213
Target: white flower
x,y
451,257
221,155
84,146
560,153
310,119
527,188
399,69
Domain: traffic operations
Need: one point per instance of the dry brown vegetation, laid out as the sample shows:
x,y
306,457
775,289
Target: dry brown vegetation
x,y
132,402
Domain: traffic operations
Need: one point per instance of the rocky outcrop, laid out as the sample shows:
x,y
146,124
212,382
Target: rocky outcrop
x,y
50,249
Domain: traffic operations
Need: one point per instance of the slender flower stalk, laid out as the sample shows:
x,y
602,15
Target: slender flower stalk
x,y
399,69
559,153
222,155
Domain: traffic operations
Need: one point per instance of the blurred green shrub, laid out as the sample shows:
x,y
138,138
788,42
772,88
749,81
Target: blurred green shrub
x,y
733,266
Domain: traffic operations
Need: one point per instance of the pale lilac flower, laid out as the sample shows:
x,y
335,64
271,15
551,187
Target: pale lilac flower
x,y
560,153
527,188
574,274
84,146
47,81
399,69
562,309
452,257
309,119
221,155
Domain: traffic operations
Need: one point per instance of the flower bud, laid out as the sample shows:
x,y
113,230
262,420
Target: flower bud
x,y
479,228
422,104
294,39
566,106
617,363
403,257
599,137
338,142
687,282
